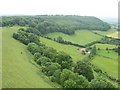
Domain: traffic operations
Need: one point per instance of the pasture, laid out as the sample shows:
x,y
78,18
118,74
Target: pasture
x,y
108,53
114,35
104,46
80,37
107,65
105,32
18,71
69,49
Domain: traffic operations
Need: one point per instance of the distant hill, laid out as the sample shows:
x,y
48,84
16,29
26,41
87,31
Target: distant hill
x,y
111,20
57,23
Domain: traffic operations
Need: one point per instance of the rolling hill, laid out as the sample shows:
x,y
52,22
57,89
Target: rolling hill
x,y
18,71
80,37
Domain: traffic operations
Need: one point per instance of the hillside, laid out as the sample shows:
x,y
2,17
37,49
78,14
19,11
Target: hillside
x,y
17,69
57,23
80,37
69,49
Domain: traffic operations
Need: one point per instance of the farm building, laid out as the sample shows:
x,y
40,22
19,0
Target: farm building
x,y
82,49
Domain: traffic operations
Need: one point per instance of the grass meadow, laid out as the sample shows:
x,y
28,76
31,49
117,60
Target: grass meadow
x,y
105,32
17,69
107,65
104,46
81,37
69,49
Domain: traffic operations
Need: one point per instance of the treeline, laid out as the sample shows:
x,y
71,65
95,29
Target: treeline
x,y
59,66
61,40
105,40
56,23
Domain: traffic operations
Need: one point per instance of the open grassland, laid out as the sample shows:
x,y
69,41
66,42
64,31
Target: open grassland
x,y
104,46
114,35
107,65
18,72
105,32
69,49
108,53
81,37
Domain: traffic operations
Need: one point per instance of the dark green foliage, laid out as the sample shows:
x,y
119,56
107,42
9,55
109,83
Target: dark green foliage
x,y
50,53
64,60
117,50
70,84
25,37
110,40
53,67
33,30
56,23
56,76
100,83
83,69
33,48
44,61
93,50
78,81
37,56
60,39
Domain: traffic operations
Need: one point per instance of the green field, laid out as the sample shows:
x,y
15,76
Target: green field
x,y
105,32
114,35
107,65
104,46
110,54
18,71
81,37
69,49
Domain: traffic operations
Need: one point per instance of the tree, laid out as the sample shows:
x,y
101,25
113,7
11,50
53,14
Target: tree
x,y
70,84
33,38
56,76
64,60
33,48
60,39
15,35
53,67
50,53
81,81
83,69
98,48
65,75
107,49
37,56
44,61
100,83
93,51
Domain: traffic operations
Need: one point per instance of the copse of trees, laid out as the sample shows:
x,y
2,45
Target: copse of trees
x,y
26,38
84,69
100,83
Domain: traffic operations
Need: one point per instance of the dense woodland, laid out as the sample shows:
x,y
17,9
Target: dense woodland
x,y
58,23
